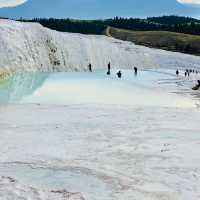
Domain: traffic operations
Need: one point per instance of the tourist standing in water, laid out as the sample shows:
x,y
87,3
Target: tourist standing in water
x,y
185,73
119,74
90,67
136,71
109,68
177,72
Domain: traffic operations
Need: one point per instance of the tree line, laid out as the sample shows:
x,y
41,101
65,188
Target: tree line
x,y
165,23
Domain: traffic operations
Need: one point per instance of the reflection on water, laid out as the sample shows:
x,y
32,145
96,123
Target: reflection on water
x,y
81,88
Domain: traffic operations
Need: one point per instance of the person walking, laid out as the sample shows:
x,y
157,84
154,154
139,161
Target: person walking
x,y
109,69
136,71
185,73
90,67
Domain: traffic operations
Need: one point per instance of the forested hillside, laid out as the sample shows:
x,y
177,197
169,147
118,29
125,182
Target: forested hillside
x,y
166,23
170,41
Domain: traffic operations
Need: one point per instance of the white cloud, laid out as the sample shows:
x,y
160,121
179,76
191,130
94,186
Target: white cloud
x,y
190,2
11,3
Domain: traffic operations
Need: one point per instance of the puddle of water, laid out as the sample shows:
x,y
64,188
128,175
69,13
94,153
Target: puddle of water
x,y
86,88
72,180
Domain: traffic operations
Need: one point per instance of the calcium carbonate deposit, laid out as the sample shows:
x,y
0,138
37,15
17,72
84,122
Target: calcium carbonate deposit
x,y
29,46
68,135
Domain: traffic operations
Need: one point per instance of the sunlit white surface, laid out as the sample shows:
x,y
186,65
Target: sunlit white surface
x,y
124,152
31,47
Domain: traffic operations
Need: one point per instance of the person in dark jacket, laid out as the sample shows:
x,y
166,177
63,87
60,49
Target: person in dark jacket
x,y
136,70
185,73
109,69
119,74
90,67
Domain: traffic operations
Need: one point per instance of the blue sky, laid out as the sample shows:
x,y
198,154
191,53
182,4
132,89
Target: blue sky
x,y
90,9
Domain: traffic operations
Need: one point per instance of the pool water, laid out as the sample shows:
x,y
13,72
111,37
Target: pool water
x,y
75,180
95,88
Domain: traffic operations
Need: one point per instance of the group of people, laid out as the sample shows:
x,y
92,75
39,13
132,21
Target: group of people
x,y
187,73
190,71
119,73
